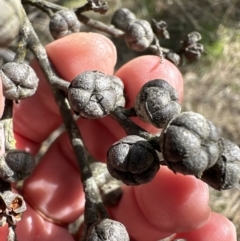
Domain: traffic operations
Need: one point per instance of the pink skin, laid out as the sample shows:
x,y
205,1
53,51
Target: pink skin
x,y
169,204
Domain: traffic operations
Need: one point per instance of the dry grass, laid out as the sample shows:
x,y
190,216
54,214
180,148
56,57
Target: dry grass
x,y
212,88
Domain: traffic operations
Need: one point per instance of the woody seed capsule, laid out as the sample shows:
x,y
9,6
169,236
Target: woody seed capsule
x,y
107,229
139,35
157,103
189,144
16,165
63,23
225,174
19,80
92,94
132,160
122,17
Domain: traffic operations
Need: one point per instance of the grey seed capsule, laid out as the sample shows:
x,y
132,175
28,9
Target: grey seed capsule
x,y
193,52
19,80
122,17
225,174
63,23
139,35
12,207
107,229
16,165
189,144
173,57
92,94
132,160
192,38
157,103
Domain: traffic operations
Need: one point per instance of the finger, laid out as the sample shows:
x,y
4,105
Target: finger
x,y
170,203
142,69
218,228
55,187
34,227
36,117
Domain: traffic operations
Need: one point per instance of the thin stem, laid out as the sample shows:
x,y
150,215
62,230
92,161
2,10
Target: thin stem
x,y
11,233
128,125
60,83
21,51
111,30
91,6
8,125
45,6
159,50
155,49
94,208
84,8
122,116
6,120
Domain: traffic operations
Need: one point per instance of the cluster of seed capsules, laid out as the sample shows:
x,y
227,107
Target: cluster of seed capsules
x,y
138,34
19,81
189,143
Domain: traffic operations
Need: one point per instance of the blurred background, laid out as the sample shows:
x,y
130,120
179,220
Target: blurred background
x,y
212,84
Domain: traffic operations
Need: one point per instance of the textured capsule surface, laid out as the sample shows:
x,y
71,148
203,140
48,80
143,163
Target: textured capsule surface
x,y
189,144
63,23
92,94
139,35
16,165
225,174
157,103
19,80
132,160
107,229
122,17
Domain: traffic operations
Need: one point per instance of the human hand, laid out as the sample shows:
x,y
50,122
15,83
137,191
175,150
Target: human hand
x,y
167,205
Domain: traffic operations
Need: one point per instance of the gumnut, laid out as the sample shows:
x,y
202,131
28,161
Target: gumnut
x,y
132,160
225,174
192,38
63,23
189,144
92,94
19,80
139,35
173,57
16,165
157,103
122,18
107,229
193,52
12,206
